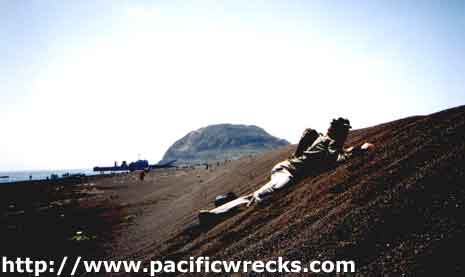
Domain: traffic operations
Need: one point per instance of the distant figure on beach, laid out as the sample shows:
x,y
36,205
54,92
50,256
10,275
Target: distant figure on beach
x,y
142,175
30,177
314,154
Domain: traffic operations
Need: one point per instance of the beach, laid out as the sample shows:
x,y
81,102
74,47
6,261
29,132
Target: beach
x,y
40,219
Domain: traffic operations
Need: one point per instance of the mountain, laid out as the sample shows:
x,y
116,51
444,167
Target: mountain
x,y
221,142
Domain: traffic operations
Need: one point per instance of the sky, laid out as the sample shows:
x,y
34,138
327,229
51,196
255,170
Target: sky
x,y
86,83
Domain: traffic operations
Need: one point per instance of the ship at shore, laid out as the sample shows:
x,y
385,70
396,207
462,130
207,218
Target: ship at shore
x,y
133,166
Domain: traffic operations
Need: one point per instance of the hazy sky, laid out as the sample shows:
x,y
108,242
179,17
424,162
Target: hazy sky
x,y
85,83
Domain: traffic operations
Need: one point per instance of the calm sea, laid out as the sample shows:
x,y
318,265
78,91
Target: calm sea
x,y
14,176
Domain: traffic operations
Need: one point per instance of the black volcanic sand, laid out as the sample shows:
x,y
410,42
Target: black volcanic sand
x,y
398,210
40,219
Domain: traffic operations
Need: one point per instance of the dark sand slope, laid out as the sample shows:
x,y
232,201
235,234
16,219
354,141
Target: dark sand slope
x,y
399,210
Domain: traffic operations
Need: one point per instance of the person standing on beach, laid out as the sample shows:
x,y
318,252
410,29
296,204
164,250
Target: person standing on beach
x,y
315,153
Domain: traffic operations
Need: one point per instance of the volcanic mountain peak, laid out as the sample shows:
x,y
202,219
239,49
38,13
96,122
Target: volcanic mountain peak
x,y
221,142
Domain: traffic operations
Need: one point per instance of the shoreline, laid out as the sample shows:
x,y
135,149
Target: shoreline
x,y
12,177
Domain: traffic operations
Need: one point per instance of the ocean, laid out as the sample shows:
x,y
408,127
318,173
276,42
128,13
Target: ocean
x,y
15,176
